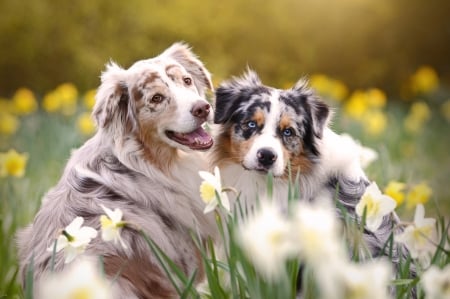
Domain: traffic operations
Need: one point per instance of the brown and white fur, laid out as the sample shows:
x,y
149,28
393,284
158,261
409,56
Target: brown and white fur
x,y
142,160
261,129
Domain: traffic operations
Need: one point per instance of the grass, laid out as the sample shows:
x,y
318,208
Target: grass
x,y
48,139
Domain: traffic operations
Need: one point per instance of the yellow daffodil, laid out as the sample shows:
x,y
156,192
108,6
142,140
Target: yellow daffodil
x,y
357,105
24,101
9,123
424,80
208,188
74,239
376,98
51,102
396,191
420,236
85,124
81,280
112,225
89,99
418,194
374,122
328,87
13,164
68,94
376,205
418,115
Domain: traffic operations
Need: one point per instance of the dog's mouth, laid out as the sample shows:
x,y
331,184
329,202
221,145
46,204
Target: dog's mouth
x,y
198,139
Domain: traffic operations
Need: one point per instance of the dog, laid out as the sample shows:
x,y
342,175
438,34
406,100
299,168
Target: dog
x,y
261,129
144,159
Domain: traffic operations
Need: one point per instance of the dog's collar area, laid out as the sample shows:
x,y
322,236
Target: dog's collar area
x,y
198,139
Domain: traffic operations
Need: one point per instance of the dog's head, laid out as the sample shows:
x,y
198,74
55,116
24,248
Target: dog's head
x,y
158,100
265,129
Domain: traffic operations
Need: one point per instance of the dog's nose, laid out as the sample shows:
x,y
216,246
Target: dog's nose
x,y
266,156
200,109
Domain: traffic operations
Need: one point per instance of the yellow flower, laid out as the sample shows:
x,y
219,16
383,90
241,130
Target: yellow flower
x,y
424,80
68,94
419,194
445,109
8,123
13,164
89,99
376,98
375,122
24,101
396,190
329,87
85,124
51,102
418,115
356,106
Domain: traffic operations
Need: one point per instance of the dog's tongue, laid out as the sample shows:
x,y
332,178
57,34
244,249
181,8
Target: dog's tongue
x,y
198,139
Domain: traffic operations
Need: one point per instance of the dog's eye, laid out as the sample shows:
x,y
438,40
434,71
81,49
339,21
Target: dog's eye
x,y
251,124
187,81
157,98
288,132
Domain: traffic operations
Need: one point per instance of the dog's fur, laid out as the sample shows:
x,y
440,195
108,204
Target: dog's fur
x,y
141,160
262,129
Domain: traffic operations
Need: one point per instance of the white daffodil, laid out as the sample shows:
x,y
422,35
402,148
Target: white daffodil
x,y
315,228
81,280
74,239
419,237
346,280
436,282
212,183
112,225
266,239
376,204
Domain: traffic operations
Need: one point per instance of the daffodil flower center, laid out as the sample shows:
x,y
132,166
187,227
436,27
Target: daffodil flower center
x,y
68,236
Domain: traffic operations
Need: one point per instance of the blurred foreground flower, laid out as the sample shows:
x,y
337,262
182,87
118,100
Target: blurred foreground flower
x,y
212,183
376,205
316,233
346,280
424,80
85,124
419,236
436,282
395,190
418,194
9,123
74,239
266,239
24,101
112,225
81,280
13,164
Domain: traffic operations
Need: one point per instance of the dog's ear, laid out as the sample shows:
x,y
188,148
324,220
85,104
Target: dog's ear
x,y
112,99
319,110
184,56
230,94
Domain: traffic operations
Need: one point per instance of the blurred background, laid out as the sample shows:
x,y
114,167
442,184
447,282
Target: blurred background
x,y
382,65
362,42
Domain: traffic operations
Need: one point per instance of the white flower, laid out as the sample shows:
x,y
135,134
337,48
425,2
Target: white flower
x,y
419,237
266,239
436,282
81,280
74,239
212,184
377,206
315,228
347,280
112,224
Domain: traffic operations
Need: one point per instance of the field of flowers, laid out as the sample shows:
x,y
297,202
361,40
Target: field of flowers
x,y
406,145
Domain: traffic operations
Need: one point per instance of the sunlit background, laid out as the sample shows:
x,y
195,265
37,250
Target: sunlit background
x,y
382,65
